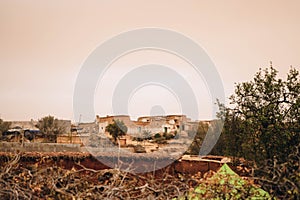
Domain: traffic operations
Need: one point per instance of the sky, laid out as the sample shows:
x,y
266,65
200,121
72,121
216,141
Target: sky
x,y
43,45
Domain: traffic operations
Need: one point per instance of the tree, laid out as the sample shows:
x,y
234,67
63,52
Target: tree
x,y
263,125
4,126
264,121
50,127
235,137
116,129
199,136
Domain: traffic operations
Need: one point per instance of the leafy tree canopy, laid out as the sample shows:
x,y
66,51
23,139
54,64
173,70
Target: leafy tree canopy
x,y
4,126
50,127
263,125
264,120
116,129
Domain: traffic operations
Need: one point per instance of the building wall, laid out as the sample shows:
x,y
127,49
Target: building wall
x,y
102,126
74,139
24,124
88,127
154,124
38,147
66,124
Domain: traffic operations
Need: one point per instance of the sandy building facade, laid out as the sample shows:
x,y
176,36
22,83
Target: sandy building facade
x,y
152,124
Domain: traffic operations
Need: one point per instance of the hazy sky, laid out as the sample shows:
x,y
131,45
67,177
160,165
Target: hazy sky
x,y
43,45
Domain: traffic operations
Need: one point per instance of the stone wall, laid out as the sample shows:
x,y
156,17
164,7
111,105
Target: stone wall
x,y
106,159
74,139
38,147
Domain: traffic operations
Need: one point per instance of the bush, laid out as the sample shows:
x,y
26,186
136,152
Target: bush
x,y
161,140
157,135
282,180
169,136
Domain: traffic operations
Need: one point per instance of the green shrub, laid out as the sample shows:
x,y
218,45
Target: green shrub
x,y
157,135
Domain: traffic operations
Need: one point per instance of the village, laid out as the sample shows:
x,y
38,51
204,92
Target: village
x,y
148,148
162,137
148,133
